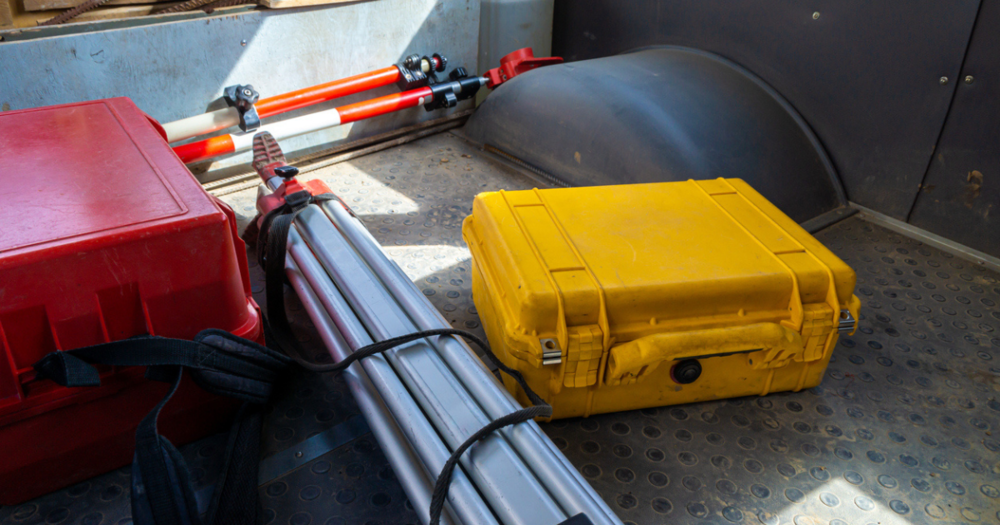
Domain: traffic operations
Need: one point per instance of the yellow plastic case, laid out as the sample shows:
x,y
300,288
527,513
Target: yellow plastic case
x,y
604,296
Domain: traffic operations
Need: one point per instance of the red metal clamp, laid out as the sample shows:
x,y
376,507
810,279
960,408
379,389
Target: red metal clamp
x,y
516,63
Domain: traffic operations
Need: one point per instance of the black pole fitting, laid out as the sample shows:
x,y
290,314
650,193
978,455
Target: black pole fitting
x,y
412,62
243,98
411,75
286,172
442,62
447,94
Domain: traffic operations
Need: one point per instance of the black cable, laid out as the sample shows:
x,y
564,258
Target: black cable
x,y
440,493
444,479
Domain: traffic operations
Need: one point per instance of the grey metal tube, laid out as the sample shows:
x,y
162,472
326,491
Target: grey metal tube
x,y
550,465
466,502
412,476
509,485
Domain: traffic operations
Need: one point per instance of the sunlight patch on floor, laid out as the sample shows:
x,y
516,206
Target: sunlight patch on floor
x,y
862,507
355,185
414,259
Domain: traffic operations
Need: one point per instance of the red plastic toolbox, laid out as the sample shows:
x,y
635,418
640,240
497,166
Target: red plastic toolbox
x,y
105,235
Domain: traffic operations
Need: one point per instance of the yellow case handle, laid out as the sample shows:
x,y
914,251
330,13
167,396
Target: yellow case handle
x,y
767,345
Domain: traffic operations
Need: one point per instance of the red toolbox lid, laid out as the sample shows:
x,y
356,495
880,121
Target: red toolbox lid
x,y
106,235
95,170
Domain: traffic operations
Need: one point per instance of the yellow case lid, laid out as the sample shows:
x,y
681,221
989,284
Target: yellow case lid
x,y
672,255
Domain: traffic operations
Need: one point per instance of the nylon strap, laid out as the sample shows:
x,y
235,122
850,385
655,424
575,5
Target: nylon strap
x,y
272,244
218,362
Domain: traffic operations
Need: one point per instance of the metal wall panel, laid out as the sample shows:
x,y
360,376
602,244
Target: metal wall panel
x,y
865,75
960,192
174,70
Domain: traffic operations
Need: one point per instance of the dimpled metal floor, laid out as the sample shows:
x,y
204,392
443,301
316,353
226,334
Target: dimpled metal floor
x,y
899,432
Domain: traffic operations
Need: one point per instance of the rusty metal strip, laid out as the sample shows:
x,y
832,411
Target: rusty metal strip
x,y
218,4
190,5
66,16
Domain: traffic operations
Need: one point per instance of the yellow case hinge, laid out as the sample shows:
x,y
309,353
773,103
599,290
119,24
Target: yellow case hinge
x,y
817,323
583,356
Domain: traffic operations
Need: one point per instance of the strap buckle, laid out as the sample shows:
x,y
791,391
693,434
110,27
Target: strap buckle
x,y
298,199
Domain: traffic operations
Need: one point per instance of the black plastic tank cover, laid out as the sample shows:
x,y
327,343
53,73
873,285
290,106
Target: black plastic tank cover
x,y
660,114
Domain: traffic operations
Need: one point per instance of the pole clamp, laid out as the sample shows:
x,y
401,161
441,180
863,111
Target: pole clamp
x,y
460,86
418,71
516,63
411,73
243,98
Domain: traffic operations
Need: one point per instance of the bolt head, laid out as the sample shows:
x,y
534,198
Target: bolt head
x,y
243,43
687,371
969,79
247,92
943,80
816,15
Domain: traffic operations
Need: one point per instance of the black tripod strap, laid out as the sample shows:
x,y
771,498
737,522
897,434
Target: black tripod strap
x,y
272,249
235,500
218,362
161,488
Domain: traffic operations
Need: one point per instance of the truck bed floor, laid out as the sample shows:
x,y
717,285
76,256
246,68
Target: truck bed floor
x,y
901,431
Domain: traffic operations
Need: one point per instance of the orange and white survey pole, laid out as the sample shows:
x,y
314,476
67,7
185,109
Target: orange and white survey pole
x,y
440,95
246,111
445,94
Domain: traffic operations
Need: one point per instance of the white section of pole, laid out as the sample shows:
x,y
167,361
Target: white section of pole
x,y
201,124
292,127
